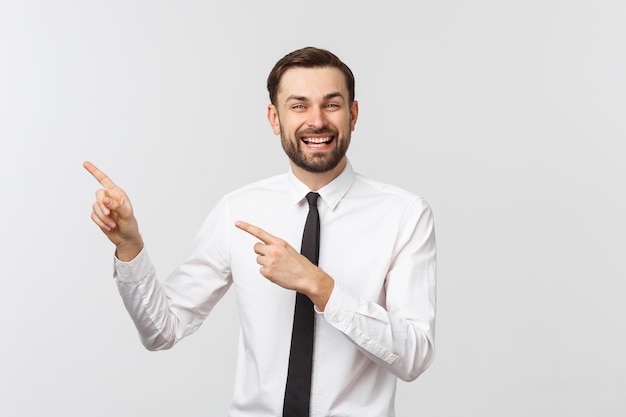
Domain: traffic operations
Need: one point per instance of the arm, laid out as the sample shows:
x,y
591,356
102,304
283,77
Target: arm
x,y
398,335
163,313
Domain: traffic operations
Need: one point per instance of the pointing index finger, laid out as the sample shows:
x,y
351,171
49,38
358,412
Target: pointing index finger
x,y
255,231
99,175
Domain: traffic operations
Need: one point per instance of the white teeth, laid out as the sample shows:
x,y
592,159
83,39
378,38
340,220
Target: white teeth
x,y
317,140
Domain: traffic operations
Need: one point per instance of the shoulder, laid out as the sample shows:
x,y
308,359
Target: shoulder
x,y
368,187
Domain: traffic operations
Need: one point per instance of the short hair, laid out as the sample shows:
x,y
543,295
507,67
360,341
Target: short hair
x,y
308,57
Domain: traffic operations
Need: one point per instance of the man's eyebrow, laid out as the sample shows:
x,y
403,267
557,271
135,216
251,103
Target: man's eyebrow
x,y
333,95
296,98
328,96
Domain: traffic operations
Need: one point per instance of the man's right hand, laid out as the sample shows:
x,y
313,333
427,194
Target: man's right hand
x,y
113,213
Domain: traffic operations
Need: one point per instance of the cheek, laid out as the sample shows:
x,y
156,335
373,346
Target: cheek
x,y
344,125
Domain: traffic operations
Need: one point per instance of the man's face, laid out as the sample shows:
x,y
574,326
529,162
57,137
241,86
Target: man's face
x,y
314,117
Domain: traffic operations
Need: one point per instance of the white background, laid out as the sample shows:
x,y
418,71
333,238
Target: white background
x,y
508,117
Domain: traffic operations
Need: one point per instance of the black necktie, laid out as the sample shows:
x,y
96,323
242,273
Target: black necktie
x,y
298,388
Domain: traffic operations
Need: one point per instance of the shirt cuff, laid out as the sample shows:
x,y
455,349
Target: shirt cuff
x,y
134,270
340,309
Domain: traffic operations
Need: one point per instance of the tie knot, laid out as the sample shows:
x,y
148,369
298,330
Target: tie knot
x,y
312,198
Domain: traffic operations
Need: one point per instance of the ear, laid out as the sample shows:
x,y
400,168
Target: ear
x,y
354,114
272,117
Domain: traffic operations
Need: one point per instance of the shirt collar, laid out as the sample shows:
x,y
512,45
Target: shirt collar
x,y
331,193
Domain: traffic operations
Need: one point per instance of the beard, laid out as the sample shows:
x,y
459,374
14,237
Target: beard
x,y
316,162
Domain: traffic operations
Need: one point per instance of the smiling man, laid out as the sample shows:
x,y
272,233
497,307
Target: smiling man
x,y
325,329
315,120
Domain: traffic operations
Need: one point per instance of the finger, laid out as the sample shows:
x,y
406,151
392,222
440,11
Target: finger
x,y
113,201
103,200
98,221
257,232
260,248
103,216
99,175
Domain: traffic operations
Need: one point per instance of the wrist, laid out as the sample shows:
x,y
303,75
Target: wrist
x,y
322,291
128,250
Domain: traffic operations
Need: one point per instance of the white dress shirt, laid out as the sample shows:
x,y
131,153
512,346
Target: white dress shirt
x,y
376,241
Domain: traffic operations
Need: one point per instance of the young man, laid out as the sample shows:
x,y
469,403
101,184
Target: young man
x,y
370,285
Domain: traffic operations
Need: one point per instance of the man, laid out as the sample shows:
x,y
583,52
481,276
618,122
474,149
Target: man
x,y
373,291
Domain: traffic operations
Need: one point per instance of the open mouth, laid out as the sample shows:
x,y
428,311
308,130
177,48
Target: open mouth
x,y
319,142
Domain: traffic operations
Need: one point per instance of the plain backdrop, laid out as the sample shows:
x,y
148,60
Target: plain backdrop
x,y
508,117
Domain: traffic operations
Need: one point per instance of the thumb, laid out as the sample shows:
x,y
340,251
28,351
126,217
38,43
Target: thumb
x,y
119,204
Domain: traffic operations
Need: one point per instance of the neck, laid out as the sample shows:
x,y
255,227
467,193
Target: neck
x,y
317,180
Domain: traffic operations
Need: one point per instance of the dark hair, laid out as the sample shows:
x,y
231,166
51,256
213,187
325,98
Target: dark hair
x,y
308,57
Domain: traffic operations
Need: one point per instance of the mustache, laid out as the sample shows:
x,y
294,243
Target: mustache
x,y
320,131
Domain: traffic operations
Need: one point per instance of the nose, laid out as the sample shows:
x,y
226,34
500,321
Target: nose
x,y
317,118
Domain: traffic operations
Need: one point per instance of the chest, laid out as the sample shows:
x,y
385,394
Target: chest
x,y
356,250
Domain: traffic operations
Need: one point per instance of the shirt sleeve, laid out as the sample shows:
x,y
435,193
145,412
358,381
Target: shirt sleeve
x,y
164,313
398,335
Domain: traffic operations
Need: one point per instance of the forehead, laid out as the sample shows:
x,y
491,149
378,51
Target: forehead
x,y
312,83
